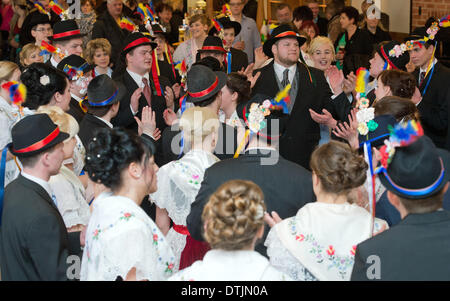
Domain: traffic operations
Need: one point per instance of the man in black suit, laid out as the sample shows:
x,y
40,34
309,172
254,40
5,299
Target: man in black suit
x,y
286,185
432,80
231,29
309,92
321,23
418,247
203,91
155,92
77,70
35,243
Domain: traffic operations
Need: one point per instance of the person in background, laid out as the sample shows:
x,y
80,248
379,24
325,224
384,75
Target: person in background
x,y
164,12
7,13
371,23
233,222
310,28
235,93
37,29
68,38
98,54
384,18
333,14
352,48
250,9
87,20
301,14
20,9
29,55
321,23
249,38
284,13
187,51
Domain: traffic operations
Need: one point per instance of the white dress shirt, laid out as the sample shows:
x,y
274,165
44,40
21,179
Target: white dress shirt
x,y
279,70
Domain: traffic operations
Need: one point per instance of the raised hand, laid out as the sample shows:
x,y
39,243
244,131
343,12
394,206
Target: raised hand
x,y
348,131
134,100
176,89
272,220
239,45
326,118
169,116
170,97
349,83
260,57
148,123
336,78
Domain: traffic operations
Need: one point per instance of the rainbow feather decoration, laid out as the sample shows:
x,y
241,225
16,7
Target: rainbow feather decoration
x,y
362,79
181,67
75,73
226,10
444,21
126,23
17,92
47,48
145,12
281,99
219,29
151,8
57,9
40,7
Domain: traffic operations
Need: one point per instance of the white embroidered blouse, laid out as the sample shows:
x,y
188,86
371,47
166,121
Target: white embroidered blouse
x,y
120,236
319,243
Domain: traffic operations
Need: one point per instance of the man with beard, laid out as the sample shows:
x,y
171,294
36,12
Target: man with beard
x,y
309,92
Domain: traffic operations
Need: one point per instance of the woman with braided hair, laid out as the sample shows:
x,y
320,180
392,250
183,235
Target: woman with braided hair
x,y
233,222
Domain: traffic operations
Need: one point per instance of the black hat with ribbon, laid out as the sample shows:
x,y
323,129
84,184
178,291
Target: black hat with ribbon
x,y
212,43
134,40
102,91
394,56
202,83
73,65
66,30
34,134
226,24
281,32
411,166
377,136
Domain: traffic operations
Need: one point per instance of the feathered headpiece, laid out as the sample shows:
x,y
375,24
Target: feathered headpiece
x,y
17,92
126,23
47,48
57,9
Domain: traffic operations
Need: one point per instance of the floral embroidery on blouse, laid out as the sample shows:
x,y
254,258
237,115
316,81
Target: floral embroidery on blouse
x,y
169,268
193,178
341,263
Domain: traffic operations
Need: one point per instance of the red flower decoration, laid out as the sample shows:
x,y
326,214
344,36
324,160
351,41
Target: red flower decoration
x,y
127,215
155,237
300,237
384,156
330,250
353,250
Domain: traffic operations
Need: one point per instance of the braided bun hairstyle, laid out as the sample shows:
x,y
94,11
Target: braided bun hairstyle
x,y
402,84
112,151
238,83
42,82
338,167
233,215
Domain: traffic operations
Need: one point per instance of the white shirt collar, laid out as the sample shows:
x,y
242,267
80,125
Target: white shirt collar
x,y
42,183
138,78
280,69
425,69
76,97
107,122
53,62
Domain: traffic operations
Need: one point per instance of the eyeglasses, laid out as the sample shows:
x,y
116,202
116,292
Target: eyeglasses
x,y
236,4
44,30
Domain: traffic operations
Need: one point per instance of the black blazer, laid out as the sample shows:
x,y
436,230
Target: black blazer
x,y
106,27
89,127
35,243
357,50
227,143
302,134
287,187
322,24
418,248
75,110
433,108
239,60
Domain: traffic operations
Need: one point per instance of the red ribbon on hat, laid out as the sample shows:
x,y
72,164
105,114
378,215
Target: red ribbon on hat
x,y
40,144
206,91
285,34
387,59
66,34
137,42
213,48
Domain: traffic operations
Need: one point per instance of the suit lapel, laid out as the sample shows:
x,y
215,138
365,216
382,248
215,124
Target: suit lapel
x,y
304,89
38,189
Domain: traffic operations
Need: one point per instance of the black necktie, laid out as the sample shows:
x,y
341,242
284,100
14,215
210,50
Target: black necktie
x,y
285,80
421,77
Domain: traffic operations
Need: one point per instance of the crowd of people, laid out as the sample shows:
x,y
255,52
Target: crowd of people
x,y
294,153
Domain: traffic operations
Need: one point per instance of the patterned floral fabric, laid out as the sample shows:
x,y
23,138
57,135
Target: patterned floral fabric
x,y
120,236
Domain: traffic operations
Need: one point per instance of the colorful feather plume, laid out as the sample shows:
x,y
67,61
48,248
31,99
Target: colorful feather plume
x,y
181,66
445,21
40,7
362,79
57,9
127,24
75,73
47,48
282,99
17,91
226,10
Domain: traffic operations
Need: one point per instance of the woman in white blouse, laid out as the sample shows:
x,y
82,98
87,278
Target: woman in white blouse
x,y
9,115
236,91
179,182
233,221
198,29
122,242
319,243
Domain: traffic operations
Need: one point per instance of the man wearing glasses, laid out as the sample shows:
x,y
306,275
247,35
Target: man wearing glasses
x,y
249,38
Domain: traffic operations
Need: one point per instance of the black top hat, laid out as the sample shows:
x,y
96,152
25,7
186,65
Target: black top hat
x,y
102,91
202,83
212,43
399,62
38,18
66,30
377,137
158,30
76,61
272,126
418,170
34,134
281,32
134,40
226,23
